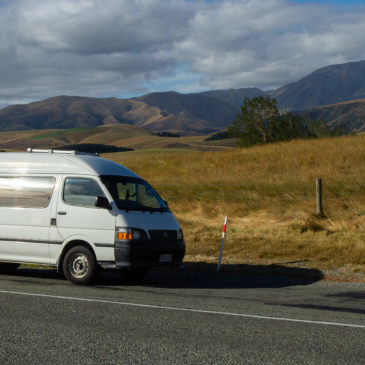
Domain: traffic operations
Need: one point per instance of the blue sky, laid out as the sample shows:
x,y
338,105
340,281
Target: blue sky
x,y
124,48
342,2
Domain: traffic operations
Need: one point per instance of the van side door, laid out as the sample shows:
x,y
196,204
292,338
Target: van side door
x,y
78,217
25,214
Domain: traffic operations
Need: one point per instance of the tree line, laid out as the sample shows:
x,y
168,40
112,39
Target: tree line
x,y
94,148
260,122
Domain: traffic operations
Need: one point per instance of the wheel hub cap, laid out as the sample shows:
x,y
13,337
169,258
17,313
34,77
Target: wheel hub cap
x,y
79,266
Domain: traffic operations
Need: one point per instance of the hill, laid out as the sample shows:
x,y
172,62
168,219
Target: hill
x,y
75,112
194,111
234,97
328,85
350,114
159,111
54,138
120,135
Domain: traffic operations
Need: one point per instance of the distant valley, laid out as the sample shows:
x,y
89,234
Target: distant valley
x,y
334,93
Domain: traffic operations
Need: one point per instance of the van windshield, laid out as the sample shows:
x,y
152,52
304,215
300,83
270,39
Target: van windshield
x,y
133,194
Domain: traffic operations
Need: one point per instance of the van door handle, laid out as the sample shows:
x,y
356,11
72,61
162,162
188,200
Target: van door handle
x,y
61,213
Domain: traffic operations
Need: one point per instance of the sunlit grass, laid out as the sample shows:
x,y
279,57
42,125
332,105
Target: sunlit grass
x,y
268,194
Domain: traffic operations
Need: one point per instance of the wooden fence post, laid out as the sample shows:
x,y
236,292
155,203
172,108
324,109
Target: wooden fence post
x,y
319,197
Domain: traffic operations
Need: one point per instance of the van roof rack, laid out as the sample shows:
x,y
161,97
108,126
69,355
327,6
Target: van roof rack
x,y
62,152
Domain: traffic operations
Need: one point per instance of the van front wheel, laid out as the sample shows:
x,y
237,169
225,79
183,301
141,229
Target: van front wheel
x,y
79,265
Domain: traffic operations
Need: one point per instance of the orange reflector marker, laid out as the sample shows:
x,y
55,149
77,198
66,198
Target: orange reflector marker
x,y
124,236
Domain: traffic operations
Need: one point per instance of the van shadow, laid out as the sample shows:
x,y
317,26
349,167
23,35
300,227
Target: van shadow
x,y
194,275
199,275
36,276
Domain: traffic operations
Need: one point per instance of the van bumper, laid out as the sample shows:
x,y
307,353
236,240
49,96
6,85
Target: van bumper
x,y
145,254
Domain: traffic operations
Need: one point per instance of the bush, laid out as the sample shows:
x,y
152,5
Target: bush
x,y
167,134
94,148
261,122
217,136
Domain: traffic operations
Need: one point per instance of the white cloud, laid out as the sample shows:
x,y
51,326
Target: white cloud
x,y
267,44
119,47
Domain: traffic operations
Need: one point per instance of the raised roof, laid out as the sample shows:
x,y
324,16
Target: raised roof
x,y
62,163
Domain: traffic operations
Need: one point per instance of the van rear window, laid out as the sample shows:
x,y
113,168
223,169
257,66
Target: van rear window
x,y
26,191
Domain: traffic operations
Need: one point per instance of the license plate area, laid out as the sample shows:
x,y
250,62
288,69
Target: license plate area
x,y
165,257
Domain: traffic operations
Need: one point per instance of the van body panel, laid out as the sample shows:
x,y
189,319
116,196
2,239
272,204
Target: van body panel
x,y
147,220
24,234
56,247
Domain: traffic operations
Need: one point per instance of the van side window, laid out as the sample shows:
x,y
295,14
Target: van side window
x,y
26,191
81,191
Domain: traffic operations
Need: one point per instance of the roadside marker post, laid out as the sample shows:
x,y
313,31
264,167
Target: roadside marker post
x,y
222,243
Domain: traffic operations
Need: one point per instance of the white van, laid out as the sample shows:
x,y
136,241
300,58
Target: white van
x,y
81,212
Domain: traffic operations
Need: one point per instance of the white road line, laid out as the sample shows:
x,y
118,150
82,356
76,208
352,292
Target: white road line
x,y
150,306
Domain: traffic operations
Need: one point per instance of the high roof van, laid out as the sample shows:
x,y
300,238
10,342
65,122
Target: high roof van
x,y
79,212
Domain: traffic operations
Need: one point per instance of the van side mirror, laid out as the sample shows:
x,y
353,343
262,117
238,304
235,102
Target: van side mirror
x,y
102,202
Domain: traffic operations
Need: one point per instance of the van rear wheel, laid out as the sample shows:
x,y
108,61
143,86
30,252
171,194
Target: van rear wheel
x,y
79,265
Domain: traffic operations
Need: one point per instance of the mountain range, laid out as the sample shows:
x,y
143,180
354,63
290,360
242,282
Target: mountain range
x,y
334,93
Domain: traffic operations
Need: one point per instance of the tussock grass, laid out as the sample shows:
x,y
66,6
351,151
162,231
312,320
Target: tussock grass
x,y
268,193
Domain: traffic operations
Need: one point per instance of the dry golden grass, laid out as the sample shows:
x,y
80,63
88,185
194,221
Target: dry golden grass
x,y
268,194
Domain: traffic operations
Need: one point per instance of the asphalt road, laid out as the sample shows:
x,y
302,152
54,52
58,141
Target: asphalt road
x,y
180,318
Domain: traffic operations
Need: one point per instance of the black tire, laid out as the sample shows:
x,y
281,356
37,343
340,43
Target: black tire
x,y
7,266
79,265
134,275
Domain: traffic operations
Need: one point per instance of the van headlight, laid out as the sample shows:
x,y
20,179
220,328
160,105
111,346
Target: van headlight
x,y
129,234
180,235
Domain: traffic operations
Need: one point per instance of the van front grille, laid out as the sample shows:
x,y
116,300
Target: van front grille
x,y
163,235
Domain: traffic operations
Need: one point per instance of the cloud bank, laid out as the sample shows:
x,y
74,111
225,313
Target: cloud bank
x,y
128,47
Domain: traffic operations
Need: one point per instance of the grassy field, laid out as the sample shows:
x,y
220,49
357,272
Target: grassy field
x,y
268,194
